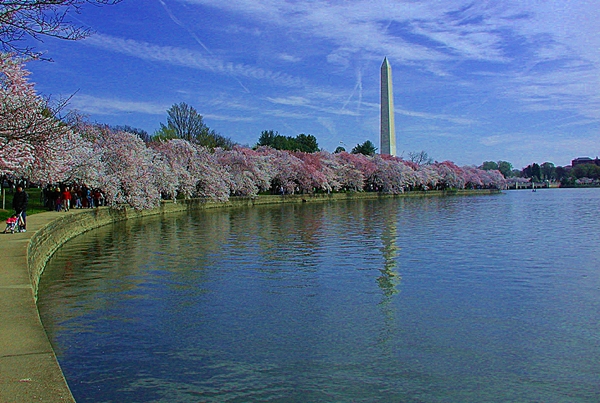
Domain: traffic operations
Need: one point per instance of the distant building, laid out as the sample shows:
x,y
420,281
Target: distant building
x,y
585,160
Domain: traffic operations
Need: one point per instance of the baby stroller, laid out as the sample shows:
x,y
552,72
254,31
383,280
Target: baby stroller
x,y
14,224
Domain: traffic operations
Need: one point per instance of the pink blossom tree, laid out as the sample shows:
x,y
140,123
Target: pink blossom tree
x,y
473,177
63,159
451,176
316,174
428,177
493,179
331,168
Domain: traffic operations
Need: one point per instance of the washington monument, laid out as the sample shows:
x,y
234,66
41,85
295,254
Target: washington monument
x,y
388,131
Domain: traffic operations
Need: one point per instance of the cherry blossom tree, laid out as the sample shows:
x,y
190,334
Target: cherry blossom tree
x,y
472,177
493,179
249,171
288,171
451,176
197,172
331,169
349,175
427,177
30,134
87,166
128,175
179,155
355,169
63,160
390,176
316,175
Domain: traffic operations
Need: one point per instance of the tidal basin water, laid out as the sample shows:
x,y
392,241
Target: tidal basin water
x,y
451,299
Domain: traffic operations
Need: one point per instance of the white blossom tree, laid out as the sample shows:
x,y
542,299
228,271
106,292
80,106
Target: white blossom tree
x,y
32,140
128,175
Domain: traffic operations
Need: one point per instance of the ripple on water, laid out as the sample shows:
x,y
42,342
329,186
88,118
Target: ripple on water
x,y
445,299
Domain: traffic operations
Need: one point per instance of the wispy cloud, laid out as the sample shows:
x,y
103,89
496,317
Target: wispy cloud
x,y
328,124
294,101
433,116
297,102
289,58
571,87
112,106
439,37
189,58
496,140
229,118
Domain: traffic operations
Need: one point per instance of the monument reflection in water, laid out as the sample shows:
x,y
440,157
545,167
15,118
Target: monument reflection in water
x,y
491,298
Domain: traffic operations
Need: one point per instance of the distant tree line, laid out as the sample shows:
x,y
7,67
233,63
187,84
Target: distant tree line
x,y
582,175
567,176
305,143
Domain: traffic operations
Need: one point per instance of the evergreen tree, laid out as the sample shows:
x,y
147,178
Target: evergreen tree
x,y
366,148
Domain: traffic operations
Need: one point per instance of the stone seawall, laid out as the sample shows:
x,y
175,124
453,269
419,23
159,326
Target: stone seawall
x,y
29,370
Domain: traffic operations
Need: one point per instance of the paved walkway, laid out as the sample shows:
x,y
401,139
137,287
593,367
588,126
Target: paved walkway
x,y
29,371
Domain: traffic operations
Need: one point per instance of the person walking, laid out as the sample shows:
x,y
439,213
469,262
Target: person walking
x,y
66,197
19,204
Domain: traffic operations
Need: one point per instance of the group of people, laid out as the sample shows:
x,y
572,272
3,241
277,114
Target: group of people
x,y
63,198
55,198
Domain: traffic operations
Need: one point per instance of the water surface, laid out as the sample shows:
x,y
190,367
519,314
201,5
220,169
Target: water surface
x,y
456,299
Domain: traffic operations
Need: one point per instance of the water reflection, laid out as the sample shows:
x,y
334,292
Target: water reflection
x,y
389,279
397,300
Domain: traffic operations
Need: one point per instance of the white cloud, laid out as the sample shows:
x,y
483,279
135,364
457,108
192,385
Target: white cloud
x,y
433,116
436,35
328,124
112,106
189,58
297,101
294,101
289,58
496,140
227,118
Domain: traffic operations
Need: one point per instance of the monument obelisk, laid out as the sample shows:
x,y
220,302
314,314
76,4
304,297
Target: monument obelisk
x,y
388,131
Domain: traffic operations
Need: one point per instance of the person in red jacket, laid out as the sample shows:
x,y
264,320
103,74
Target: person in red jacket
x,y
66,197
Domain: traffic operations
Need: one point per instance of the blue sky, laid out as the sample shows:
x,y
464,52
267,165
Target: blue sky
x,y
473,80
